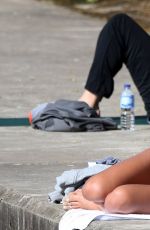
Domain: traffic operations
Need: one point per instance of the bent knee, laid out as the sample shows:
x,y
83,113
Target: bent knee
x,y
118,201
94,190
118,17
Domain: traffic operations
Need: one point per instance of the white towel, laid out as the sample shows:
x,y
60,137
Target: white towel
x,y
81,218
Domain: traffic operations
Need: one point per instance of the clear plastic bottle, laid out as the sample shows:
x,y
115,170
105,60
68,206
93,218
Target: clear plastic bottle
x,y
127,119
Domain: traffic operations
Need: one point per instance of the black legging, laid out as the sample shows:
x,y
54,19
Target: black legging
x,y
122,40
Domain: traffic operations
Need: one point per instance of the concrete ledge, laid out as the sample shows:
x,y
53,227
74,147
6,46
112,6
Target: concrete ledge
x,y
25,212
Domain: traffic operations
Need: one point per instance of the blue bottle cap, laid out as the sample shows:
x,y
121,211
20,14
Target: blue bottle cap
x,y
127,86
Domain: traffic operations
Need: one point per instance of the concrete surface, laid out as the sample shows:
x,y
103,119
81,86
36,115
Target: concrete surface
x,y
45,54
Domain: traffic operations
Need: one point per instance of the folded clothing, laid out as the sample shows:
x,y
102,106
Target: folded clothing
x,y
69,116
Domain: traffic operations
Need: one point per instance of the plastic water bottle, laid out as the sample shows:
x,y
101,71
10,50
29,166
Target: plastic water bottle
x,y
127,119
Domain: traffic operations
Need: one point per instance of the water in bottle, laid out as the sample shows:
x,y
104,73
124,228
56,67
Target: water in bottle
x,y
127,118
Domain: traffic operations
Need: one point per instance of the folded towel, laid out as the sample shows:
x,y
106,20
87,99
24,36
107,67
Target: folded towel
x,y
81,218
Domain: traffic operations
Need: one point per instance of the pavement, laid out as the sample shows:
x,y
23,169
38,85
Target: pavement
x,y
45,54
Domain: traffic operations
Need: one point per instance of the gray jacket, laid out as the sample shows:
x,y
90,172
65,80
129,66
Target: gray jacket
x,y
70,116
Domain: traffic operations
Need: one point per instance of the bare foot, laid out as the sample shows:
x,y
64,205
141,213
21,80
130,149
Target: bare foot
x,y
76,200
